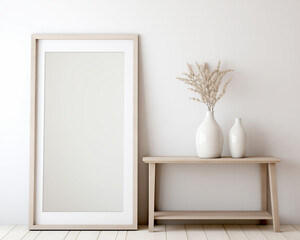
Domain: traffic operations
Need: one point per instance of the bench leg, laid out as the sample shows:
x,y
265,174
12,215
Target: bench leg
x,y
274,196
264,189
151,196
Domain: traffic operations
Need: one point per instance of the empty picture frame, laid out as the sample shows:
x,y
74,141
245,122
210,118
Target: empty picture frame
x,y
83,146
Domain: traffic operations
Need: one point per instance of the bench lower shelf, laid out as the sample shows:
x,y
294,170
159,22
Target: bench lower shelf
x,y
207,215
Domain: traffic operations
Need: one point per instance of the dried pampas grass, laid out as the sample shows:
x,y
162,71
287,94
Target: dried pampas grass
x,y
206,83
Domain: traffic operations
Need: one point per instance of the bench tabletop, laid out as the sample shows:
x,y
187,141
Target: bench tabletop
x,y
195,159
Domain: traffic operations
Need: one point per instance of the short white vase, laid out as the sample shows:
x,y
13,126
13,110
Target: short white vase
x,y
209,137
237,139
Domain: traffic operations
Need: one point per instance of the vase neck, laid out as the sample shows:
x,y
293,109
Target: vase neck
x,y
238,120
209,115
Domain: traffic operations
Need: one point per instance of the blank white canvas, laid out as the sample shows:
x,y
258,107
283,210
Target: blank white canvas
x,y
83,132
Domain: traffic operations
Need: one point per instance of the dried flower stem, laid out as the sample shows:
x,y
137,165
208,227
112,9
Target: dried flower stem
x,y
206,83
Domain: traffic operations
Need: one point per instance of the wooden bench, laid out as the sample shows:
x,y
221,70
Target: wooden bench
x,y
267,168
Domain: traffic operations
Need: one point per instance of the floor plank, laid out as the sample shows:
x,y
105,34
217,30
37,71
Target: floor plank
x,y
195,232
235,232
269,233
88,235
143,233
51,235
31,235
139,234
121,235
5,229
176,232
108,235
289,232
215,232
72,235
252,232
17,233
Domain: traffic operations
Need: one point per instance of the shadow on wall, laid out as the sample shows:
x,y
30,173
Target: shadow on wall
x,y
257,142
287,194
143,146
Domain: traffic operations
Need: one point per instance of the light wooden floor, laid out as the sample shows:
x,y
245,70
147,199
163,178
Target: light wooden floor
x,y
163,232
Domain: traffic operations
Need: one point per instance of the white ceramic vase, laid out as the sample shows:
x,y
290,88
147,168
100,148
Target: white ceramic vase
x,y
237,139
209,137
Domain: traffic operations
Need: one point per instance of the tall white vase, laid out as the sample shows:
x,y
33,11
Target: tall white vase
x,y
237,139
209,137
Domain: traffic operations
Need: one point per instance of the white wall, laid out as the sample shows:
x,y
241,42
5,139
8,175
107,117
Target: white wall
x,y
259,39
